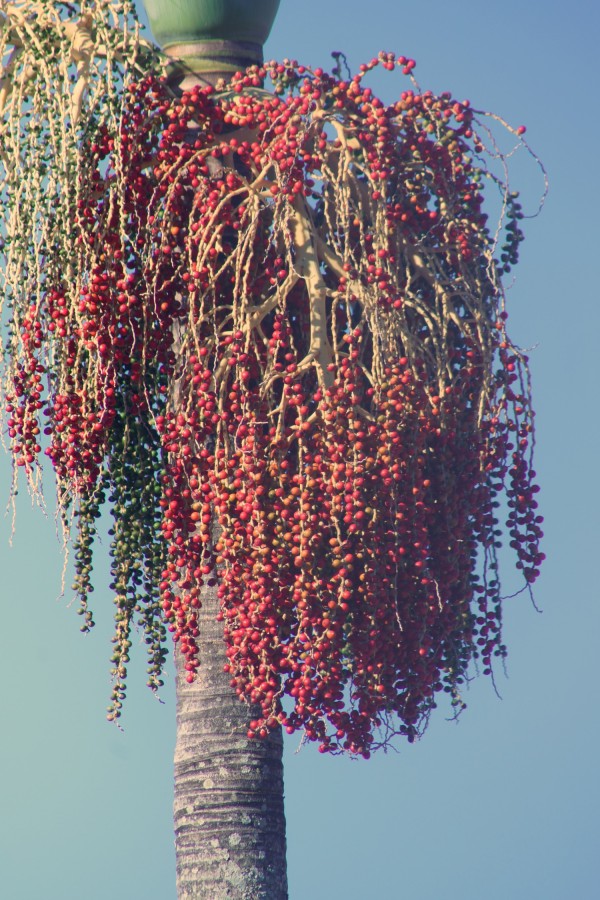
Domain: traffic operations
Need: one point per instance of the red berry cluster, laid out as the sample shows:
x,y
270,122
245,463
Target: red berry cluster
x,y
288,369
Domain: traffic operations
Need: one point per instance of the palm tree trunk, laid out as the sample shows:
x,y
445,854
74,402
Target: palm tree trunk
x,y
228,810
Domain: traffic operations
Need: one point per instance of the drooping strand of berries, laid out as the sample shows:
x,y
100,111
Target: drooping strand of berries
x,y
289,373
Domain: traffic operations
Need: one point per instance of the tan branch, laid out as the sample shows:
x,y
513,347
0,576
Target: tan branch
x,y
308,268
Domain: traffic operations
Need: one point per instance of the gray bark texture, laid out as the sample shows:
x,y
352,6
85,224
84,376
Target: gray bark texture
x,y
228,809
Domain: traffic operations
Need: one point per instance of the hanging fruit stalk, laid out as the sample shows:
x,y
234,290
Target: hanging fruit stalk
x,y
275,343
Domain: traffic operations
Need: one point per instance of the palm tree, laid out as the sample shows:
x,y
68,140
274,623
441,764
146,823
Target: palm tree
x,y
303,382
228,803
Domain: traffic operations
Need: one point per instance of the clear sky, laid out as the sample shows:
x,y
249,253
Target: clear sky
x,y
504,804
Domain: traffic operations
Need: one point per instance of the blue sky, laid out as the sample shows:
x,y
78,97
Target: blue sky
x,y
504,803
